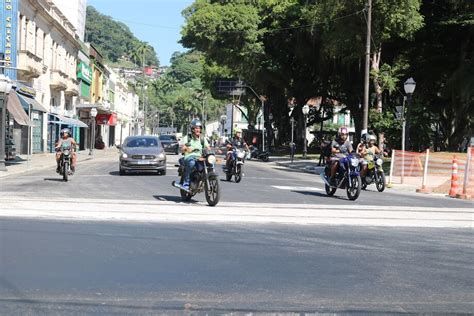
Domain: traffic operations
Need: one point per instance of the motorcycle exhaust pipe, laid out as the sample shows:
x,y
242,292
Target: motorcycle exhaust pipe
x,y
177,185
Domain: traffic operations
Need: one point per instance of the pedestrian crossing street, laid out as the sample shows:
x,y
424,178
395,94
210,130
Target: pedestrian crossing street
x,y
164,210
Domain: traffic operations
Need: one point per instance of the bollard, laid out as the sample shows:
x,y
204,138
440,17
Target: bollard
x,y
423,188
466,194
454,178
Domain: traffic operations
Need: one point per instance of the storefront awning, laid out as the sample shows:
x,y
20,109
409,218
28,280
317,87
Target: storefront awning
x,y
27,101
16,110
63,120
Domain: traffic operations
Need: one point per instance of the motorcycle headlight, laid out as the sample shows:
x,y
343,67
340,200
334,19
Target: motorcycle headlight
x,y
354,162
211,159
124,155
379,162
66,152
241,155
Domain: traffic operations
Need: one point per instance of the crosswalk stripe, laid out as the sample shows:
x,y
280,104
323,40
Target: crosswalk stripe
x,y
263,213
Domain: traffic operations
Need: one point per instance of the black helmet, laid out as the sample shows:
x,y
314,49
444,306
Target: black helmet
x,y
196,123
364,137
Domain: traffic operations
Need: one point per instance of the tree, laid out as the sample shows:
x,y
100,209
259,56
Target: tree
x,y
113,39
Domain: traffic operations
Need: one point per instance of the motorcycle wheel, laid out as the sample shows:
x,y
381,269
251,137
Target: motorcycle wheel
x,y
353,188
265,158
380,184
330,190
238,174
212,191
65,171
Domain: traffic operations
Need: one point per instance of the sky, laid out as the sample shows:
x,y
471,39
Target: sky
x,y
157,22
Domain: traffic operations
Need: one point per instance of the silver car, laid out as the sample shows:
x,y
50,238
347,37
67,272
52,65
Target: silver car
x,y
142,154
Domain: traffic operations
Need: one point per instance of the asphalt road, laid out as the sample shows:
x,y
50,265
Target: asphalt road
x,y
262,183
55,266
62,267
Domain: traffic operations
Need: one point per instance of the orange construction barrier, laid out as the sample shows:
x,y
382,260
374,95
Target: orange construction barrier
x,y
454,178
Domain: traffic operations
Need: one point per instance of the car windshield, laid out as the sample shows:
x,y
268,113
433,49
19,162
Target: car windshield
x,y
167,137
142,142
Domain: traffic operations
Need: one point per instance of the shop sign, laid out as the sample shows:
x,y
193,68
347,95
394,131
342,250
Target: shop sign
x,y
84,72
8,36
106,119
25,90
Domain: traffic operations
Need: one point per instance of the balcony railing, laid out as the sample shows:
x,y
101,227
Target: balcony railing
x,y
72,88
29,65
59,80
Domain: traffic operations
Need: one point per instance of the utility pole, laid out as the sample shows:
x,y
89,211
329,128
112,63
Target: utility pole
x,y
365,112
143,93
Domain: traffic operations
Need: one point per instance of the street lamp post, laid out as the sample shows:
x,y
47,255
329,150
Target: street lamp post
x,y
223,120
5,87
93,115
409,87
262,100
305,115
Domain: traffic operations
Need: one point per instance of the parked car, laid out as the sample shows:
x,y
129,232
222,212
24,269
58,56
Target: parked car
x,y
170,143
142,154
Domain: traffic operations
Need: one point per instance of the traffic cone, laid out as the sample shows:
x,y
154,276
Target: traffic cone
x,y
454,178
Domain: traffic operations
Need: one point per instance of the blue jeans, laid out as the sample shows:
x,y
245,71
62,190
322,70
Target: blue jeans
x,y
189,165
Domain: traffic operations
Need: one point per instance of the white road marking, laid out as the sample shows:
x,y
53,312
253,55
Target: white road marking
x,y
290,188
163,211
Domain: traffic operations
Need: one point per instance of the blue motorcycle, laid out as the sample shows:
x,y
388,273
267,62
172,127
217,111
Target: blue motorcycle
x,y
347,177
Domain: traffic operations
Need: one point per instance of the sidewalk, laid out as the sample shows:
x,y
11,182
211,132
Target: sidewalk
x,y
47,160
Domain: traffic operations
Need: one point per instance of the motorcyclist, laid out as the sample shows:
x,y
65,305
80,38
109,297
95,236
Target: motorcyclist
x,y
66,141
340,147
369,153
236,142
192,146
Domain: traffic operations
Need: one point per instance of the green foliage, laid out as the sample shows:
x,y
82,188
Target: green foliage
x,y
179,94
388,124
114,39
303,49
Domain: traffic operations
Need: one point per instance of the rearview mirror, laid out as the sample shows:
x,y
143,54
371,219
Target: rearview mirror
x,y
118,146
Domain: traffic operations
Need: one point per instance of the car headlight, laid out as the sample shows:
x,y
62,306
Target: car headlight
x,y
354,162
211,159
161,156
124,155
379,162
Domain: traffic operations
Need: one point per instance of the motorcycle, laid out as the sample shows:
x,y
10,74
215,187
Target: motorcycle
x,y
347,177
255,153
238,158
375,174
203,179
65,161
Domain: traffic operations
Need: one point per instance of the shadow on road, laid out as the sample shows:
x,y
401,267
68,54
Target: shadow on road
x,y
312,193
117,173
173,198
54,179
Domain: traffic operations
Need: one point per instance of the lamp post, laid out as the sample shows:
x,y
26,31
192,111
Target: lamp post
x,y
262,100
5,87
93,114
409,87
223,120
305,115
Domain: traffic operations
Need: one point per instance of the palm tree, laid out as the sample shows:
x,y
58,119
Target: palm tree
x,y
139,52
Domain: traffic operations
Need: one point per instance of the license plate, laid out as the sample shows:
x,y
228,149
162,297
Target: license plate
x,y
143,162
